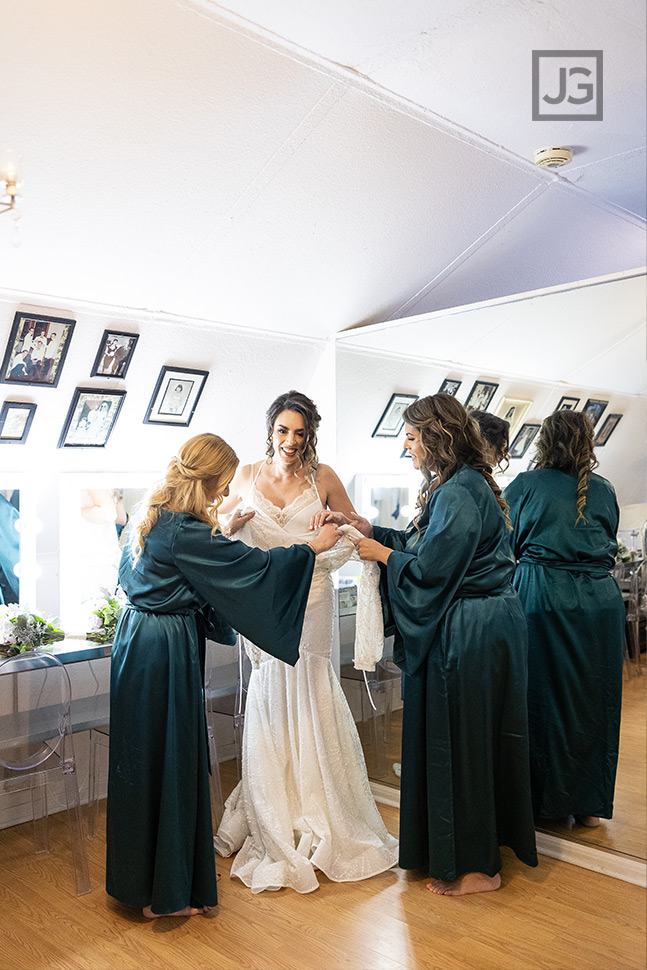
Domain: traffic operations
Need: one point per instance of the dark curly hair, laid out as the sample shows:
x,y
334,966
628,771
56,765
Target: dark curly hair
x,y
496,432
450,437
300,404
565,443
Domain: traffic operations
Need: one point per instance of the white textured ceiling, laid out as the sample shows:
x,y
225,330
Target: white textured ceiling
x,y
305,167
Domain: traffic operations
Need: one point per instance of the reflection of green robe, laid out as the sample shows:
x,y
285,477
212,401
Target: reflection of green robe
x,y
9,551
460,638
576,621
159,834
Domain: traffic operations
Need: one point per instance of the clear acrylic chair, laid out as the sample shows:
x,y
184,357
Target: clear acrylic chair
x,y
36,746
99,738
636,612
376,699
627,575
225,692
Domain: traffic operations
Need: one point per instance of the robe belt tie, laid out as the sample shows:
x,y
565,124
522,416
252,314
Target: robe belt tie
x,y
590,569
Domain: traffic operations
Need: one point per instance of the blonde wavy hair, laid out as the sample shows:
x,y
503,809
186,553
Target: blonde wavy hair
x,y
450,437
565,443
198,463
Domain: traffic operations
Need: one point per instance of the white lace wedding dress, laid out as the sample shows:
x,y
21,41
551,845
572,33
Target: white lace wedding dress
x,y
304,801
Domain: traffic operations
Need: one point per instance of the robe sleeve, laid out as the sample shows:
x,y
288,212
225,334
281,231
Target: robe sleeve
x,y
423,582
262,595
391,538
516,495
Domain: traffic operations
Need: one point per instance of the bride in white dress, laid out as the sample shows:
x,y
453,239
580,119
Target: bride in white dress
x,y
304,801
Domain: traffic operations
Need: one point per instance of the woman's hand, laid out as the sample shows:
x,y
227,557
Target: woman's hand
x,y
238,520
320,518
362,525
370,550
329,534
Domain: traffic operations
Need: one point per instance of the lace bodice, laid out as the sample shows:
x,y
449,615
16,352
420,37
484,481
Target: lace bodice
x,y
295,517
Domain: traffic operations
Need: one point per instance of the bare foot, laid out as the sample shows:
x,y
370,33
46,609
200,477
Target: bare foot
x,y
187,911
469,882
589,820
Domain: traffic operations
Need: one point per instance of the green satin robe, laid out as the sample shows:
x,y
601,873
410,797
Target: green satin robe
x,y
460,639
186,581
576,622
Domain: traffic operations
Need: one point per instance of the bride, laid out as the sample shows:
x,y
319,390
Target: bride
x,y
304,801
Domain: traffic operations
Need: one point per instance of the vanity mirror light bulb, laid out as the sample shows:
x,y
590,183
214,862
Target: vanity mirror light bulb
x,y
373,513
33,526
406,511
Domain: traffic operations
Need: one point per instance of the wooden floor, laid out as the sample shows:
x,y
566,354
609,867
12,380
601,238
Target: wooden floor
x,y
555,917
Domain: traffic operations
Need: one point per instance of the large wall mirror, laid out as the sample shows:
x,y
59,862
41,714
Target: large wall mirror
x,y
94,512
584,341
19,528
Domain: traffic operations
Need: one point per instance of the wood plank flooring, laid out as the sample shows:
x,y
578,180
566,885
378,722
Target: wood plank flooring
x,y
555,917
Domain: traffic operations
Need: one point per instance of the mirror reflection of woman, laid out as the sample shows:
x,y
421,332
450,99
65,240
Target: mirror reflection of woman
x,y
304,801
496,434
565,521
460,639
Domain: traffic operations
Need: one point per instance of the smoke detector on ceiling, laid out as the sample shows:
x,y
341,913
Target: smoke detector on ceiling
x,y
553,157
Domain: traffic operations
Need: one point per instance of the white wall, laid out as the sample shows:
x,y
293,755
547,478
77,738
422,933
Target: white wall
x,y
366,379
247,369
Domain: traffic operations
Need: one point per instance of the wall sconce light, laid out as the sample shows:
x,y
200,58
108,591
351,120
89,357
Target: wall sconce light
x,y
10,176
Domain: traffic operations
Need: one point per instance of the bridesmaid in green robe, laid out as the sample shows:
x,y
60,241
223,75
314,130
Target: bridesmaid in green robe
x,y
565,520
185,580
460,639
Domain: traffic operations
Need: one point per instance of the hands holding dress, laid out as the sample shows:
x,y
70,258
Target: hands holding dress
x,y
368,549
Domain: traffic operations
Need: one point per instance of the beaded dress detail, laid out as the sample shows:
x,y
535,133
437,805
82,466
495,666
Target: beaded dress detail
x,y
304,801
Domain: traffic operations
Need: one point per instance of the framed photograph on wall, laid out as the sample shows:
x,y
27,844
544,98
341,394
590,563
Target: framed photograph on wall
x,y
36,350
391,422
449,386
91,417
15,422
568,404
611,422
523,440
595,408
480,396
176,395
115,353
512,410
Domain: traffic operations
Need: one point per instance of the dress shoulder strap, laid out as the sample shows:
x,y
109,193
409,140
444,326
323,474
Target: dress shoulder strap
x,y
314,483
253,476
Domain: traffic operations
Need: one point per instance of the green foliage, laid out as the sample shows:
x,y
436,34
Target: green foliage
x,y
108,615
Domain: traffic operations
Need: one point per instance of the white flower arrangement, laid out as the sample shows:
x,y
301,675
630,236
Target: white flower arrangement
x,y
624,554
21,630
105,610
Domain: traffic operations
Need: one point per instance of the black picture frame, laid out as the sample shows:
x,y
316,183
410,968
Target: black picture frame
x,y
391,423
611,422
15,422
449,386
89,422
114,354
176,396
568,404
595,408
523,439
36,349
480,396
